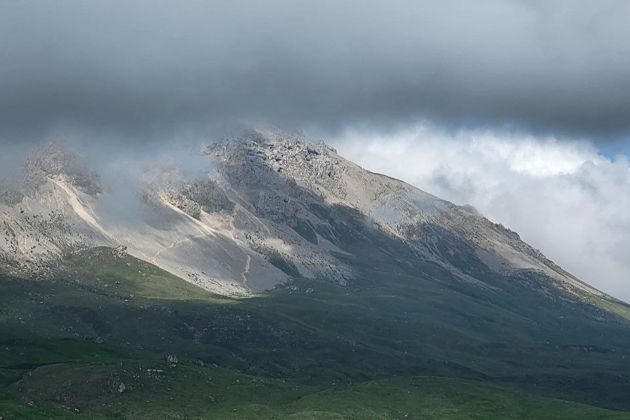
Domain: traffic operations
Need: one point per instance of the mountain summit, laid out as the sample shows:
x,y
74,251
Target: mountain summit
x,y
270,206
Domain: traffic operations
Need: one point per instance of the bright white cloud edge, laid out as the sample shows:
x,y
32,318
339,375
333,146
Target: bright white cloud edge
x,y
562,196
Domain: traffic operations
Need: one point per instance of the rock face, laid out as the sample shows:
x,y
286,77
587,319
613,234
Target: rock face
x,y
52,213
272,206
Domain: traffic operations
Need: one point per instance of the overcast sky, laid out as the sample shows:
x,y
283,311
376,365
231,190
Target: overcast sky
x,y
521,105
150,68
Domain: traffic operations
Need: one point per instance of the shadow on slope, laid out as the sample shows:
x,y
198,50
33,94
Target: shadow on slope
x,y
314,334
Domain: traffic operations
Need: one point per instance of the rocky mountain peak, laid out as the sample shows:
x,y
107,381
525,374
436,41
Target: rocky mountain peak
x,y
56,161
272,206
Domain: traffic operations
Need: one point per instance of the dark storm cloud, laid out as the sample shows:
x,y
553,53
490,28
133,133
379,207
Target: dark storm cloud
x,y
149,69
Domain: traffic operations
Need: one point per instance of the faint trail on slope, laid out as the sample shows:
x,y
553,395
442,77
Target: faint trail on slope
x,y
245,272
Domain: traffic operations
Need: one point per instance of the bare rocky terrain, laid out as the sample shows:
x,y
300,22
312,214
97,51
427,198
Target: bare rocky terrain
x,y
272,206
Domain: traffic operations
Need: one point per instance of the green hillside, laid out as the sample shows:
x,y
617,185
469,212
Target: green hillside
x,y
399,346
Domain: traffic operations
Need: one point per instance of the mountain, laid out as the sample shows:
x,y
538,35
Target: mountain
x,y
295,278
271,206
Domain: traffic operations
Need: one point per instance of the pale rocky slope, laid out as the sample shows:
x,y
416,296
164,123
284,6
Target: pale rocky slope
x,y
273,205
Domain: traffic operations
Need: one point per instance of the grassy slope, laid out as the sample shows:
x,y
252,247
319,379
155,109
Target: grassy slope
x,y
310,348
191,391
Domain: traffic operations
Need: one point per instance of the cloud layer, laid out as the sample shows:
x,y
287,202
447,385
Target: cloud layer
x,y
147,69
564,198
140,72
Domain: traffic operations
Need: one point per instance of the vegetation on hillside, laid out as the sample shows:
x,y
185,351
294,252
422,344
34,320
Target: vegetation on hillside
x,y
404,348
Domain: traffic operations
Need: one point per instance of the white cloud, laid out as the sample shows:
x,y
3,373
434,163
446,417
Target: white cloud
x,y
563,197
